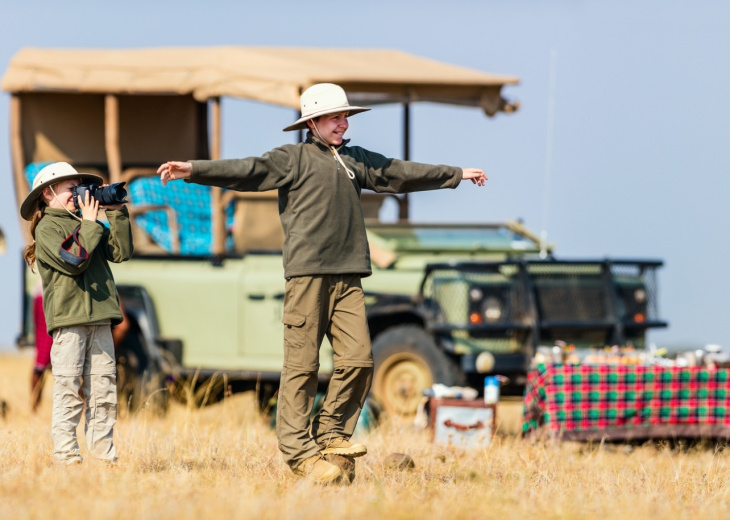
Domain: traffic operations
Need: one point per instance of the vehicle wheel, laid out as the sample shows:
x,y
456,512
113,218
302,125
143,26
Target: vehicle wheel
x,y
140,382
407,361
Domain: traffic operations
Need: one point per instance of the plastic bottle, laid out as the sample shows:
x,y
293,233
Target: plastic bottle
x,y
491,390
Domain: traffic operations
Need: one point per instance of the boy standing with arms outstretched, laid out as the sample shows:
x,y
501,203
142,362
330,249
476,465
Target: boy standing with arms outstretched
x,y
326,254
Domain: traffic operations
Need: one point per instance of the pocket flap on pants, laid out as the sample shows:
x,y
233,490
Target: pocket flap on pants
x,y
293,319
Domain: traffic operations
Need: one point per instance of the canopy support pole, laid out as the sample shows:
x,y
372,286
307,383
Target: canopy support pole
x,y
300,132
111,137
218,222
403,202
16,148
16,151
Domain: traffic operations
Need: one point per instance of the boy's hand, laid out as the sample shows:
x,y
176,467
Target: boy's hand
x,y
173,170
475,175
89,207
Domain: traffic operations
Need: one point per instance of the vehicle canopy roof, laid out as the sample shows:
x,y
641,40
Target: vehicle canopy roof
x,y
112,111
275,75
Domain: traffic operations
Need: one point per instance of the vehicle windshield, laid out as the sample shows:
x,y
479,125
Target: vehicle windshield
x,y
452,237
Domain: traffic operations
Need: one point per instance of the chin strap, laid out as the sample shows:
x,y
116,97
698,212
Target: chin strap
x,y
350,173
73,238
64,206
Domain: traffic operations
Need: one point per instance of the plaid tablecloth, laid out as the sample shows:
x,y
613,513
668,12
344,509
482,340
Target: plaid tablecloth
x,y
568,399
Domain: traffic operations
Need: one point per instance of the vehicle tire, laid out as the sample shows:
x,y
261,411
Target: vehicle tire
x,y
140,382
407,361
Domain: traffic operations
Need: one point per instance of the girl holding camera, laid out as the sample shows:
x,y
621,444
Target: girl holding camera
x,y
80,304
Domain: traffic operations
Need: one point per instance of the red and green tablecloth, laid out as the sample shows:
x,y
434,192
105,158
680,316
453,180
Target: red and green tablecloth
x,y
625,401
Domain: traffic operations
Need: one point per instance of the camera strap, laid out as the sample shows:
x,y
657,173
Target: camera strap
x,y
67,255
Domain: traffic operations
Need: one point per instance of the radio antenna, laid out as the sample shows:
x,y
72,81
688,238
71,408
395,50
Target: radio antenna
x,y
548,153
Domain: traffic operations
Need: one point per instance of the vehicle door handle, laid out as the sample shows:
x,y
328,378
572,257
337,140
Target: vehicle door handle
x,y
259,297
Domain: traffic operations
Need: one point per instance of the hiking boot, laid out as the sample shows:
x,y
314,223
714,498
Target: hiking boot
x,y
318,470
341,446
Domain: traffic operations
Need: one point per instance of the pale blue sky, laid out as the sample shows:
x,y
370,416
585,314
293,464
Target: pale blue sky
x,y
639,155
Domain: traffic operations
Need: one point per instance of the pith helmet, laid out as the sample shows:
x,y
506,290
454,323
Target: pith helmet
x,y
48,176
321,99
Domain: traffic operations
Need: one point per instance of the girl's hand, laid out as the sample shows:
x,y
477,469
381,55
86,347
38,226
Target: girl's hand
x,y
89,208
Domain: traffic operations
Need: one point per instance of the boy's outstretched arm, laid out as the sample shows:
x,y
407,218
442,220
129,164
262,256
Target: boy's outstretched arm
x,y
475,175
173,170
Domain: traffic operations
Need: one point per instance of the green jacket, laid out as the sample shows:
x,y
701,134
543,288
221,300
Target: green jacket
x,y
319,205
84,294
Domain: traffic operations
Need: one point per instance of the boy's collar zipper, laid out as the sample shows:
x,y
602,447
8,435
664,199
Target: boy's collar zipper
x,y
311,138
320,142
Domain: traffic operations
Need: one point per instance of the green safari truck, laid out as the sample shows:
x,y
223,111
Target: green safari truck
x,y
204,291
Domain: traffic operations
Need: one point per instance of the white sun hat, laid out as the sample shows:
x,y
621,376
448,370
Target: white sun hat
x,y
321,99
48,176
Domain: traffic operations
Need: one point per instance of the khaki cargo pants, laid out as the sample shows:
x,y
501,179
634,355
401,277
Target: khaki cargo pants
x,y
83,357
314,306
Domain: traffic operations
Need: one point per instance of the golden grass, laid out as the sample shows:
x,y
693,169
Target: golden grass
x,y
223,462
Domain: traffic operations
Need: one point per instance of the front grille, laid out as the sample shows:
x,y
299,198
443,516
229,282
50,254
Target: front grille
x,y
578,295
586,303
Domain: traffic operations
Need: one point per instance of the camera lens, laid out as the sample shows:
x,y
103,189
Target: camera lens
x,y
110,195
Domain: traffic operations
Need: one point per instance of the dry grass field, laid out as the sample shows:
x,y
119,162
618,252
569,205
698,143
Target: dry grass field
x,y
222,462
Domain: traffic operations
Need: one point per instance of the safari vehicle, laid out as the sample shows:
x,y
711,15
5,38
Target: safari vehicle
x,y
204,291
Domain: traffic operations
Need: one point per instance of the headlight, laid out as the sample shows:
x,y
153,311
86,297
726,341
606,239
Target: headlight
x,y
640,295
492,309
475,294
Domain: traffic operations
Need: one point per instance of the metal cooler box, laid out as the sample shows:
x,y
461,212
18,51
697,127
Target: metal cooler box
x,y
462,423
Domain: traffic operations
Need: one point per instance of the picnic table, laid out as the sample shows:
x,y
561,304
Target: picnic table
x,y
622,402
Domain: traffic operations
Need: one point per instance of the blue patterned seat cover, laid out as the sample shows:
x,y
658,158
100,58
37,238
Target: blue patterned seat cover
x,y
191,203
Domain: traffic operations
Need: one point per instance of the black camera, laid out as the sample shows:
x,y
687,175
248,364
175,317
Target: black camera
x,y
106,195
